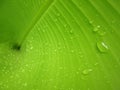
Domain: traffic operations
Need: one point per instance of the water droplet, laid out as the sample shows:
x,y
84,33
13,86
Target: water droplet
x,y
55,50
96,28
67,27
23,70
91,22
31,47
72,51
101,32
102,46
26,65
86,71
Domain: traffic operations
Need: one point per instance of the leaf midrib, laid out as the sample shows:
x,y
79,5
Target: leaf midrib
x,y
35,19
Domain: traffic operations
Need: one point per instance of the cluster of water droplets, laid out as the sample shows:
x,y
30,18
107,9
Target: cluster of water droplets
x,y
101,32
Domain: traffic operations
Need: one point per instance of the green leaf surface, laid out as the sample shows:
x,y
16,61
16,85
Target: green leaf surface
x,y
66,44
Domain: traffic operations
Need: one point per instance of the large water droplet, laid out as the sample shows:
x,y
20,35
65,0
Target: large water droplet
x,y
102,46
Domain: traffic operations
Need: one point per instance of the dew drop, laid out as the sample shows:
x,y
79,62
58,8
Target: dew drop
x,y
23,70
67,27
102,46
91,22
96,28
86,71
31,47
72,51
101,32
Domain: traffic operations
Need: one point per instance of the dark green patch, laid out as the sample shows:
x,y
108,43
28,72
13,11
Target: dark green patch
x,y
16,47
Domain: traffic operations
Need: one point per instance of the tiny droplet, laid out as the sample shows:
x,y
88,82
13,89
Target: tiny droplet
x,y
96,28
86,71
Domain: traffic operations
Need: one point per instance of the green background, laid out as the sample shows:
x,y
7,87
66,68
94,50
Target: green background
x,y
73,45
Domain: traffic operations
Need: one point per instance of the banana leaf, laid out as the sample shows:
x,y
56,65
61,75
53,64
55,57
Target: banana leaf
x,y
59,45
